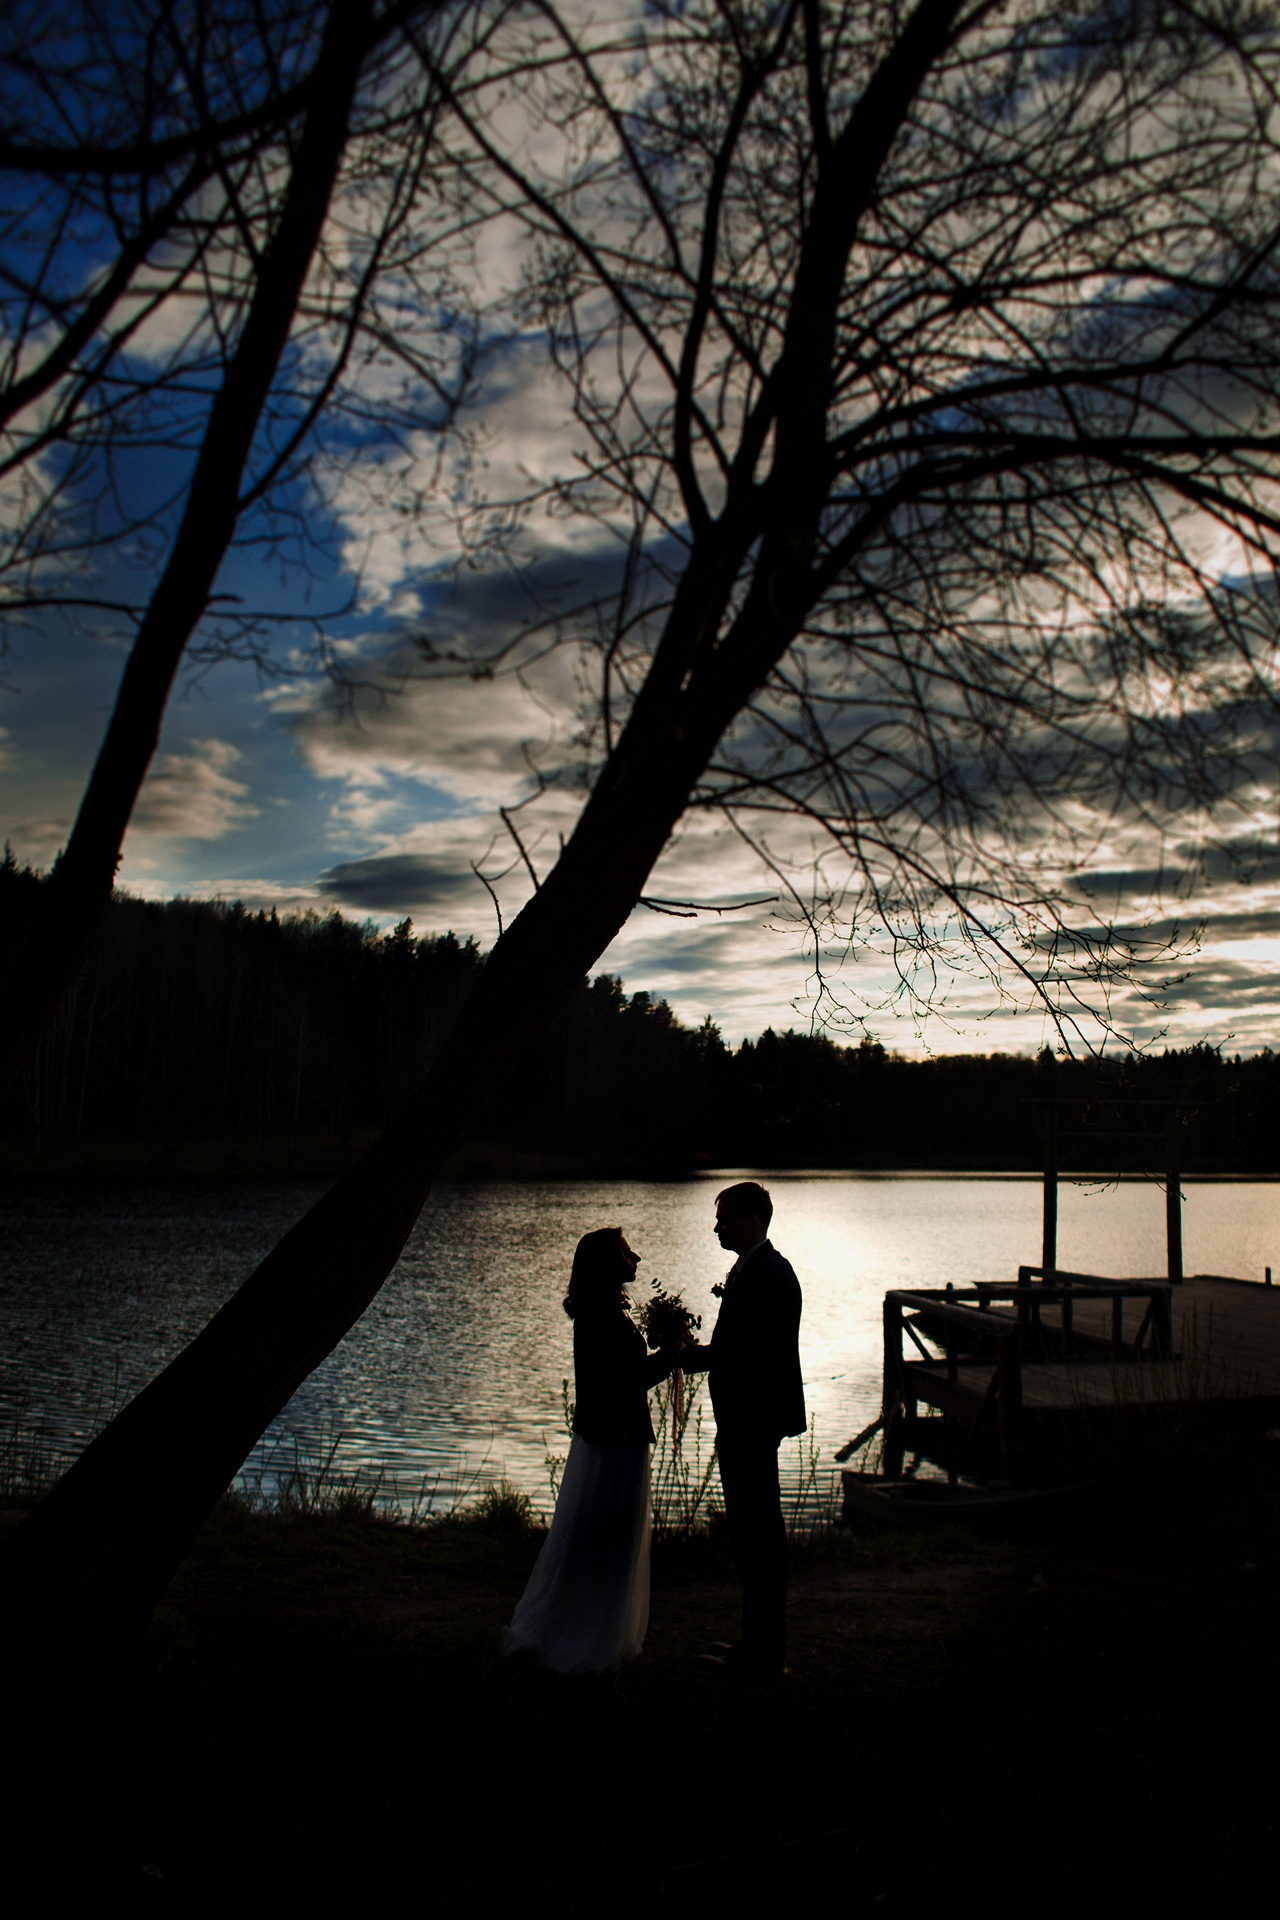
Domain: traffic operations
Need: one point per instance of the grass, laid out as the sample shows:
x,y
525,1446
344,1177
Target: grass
x,y
29,1460
319,1715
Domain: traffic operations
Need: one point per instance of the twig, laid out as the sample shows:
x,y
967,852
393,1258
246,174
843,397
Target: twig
x,y
690,909
492,895
510,826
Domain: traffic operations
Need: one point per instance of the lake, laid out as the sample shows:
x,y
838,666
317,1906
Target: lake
x,y
453,1377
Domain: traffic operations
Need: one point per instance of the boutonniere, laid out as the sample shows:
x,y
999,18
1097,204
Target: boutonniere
x,y
718,1290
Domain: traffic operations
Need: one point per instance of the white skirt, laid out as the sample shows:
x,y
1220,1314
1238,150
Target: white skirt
x,y
586,1607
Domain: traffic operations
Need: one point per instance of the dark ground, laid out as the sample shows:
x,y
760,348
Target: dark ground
x,y
318,1720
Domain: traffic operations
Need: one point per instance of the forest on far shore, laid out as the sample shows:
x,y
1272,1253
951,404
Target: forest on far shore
x,y
203,1038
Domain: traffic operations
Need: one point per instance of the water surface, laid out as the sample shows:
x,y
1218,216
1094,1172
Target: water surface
x,y
453,1377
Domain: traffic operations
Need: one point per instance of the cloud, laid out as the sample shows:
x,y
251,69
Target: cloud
x,y
1242,860
1262,923
400,883
1134,883
38,840
474,740
1249,923
467,740
519,446
250,891
428,873
1230,984
193,796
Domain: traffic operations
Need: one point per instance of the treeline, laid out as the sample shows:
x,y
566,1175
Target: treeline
x,y
206,1037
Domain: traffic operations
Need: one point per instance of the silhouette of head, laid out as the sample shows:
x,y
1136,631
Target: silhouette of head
x,y
603,1265
743,1214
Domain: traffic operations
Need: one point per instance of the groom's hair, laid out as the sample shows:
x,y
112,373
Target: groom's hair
x,y
747,1197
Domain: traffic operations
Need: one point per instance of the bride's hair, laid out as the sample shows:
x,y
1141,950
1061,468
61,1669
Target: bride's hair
x,y
599,1274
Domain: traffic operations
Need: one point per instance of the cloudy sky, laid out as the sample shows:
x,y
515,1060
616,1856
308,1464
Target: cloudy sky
x,y
384,802
275,791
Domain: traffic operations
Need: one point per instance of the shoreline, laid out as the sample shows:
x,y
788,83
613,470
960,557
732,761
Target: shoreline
x,y
217,1165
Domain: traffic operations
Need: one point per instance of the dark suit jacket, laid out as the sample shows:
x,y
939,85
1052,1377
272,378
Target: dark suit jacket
x,y
753,1356
612,1374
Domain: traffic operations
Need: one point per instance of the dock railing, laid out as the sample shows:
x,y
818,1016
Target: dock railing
x,y
971,1319
1056,1284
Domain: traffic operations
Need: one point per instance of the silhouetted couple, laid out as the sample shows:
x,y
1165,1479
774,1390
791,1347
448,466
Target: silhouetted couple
x,y
586,1607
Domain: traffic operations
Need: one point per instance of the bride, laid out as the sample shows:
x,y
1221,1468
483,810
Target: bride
x,y
586,1606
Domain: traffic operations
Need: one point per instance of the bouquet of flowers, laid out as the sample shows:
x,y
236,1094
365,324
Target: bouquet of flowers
x,y
665,1321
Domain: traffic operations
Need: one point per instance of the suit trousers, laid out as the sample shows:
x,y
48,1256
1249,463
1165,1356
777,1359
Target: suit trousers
x,y
753,1511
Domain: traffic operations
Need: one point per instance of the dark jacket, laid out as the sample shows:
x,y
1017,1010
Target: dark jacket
x,y
612,1374
753,1356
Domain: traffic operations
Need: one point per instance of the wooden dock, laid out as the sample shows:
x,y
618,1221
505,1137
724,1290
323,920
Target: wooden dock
x,y
1015,1376
1027,1385
1226,1337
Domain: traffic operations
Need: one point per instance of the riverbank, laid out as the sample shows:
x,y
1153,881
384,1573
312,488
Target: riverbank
x,y
319,1713
130,1163
177,1162
202,1160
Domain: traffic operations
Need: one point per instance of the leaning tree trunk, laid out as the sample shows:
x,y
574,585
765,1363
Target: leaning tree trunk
x,y
80,886
105,1542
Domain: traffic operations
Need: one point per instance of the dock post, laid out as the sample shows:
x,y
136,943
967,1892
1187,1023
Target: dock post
x,y
1173,1196
1068,1319
1049,1241
951,1425
892,1396
1008,1396
1029,1318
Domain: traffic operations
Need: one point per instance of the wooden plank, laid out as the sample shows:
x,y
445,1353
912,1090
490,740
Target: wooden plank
x,y
1062,1387
962,1396
980,1324
1217,1324
1026,1276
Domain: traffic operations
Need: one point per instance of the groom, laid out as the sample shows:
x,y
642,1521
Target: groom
x,y
753,1364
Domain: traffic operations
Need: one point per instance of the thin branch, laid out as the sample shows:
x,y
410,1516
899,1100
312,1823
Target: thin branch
x,y
690,909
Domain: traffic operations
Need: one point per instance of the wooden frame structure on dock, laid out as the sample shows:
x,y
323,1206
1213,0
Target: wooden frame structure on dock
x,y
1053,1108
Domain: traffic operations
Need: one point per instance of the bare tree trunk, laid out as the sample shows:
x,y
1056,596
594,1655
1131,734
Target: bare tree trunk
x,y
80,886
106,1541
